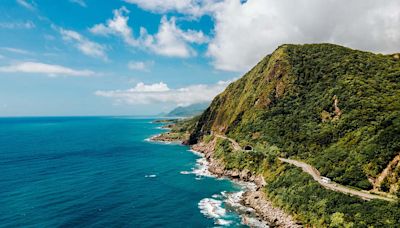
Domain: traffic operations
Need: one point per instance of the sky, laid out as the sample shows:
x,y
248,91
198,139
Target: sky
x,y
144,57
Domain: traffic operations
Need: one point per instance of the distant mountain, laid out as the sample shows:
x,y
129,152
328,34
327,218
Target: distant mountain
x,y
187,111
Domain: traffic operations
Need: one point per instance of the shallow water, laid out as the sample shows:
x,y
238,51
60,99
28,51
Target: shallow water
x,y
101,172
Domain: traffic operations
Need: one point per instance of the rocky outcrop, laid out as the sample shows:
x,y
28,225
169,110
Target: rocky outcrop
x,y
170,137
254,198
275,216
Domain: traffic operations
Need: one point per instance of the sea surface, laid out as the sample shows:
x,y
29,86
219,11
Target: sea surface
x,y
102,172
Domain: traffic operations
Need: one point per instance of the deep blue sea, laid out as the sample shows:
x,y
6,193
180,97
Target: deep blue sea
x,y
101,172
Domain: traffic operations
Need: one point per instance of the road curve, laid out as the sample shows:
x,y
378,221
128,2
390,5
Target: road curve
x,y
235,144
317,176
331,185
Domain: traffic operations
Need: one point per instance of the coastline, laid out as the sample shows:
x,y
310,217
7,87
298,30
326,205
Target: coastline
x,y
264,214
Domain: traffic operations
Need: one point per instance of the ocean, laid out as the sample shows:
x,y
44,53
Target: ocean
x,y
102,172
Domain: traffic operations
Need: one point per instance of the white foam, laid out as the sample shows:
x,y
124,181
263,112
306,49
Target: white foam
x,y
215,196
201,168
212,208
223,222
197,153
147,139
150,176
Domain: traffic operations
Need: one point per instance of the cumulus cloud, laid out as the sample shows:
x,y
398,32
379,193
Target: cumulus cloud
x,y
79,2
361,24
117,26
245,31
17,25
140,65
168,41
172,41
161,93
30,5
84,45
43,68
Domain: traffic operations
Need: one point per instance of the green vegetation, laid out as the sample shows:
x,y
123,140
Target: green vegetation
x,y
296,192
180,129
288,100
334,107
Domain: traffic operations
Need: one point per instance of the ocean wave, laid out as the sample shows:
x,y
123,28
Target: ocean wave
x,y
223,222
212,208
201,167
150,175
221,206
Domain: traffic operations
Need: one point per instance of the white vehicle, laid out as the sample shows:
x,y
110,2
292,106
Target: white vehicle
x,y
326,180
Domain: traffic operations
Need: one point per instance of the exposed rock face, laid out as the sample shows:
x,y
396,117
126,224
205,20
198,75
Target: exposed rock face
x,y
277,217
255,199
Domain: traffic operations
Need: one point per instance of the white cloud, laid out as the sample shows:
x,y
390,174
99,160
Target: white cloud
x,y
361,24
16,50
79,2
17,25
168,41
30,5
161,93
117,26
140,65
43,68
245,31
83,44
172,41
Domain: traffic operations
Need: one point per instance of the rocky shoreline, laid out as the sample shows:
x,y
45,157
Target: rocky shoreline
x,y
253,198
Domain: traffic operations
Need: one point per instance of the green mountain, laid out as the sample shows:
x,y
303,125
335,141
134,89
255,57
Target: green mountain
x,y
188,111
335,108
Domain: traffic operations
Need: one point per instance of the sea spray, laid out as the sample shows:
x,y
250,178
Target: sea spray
x,y
220,206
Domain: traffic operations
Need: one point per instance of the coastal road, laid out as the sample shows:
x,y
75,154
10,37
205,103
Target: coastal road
x,y
317,176
235,145
331,185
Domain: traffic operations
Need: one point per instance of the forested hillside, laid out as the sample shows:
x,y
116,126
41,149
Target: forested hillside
x,y
334,107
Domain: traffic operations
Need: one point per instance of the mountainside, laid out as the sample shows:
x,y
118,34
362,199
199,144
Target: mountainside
x,y
334,107
188,111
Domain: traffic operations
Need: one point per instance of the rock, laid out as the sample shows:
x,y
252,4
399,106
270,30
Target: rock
x,y
254,199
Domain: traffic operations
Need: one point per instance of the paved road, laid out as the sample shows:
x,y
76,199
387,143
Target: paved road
x,y
235,145
317,176
333,186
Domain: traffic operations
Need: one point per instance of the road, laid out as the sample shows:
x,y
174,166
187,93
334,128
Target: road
x,y
235,145
332,185
317,176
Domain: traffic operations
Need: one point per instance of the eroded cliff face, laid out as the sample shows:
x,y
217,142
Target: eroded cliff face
x,y
335,107
257,89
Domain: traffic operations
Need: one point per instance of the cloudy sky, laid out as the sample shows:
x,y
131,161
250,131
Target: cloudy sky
x,y
142,57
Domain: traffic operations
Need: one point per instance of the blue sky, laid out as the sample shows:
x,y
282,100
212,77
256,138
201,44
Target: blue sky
x,y
143,57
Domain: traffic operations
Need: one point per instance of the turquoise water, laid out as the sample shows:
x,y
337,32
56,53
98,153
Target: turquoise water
x,y
100,172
